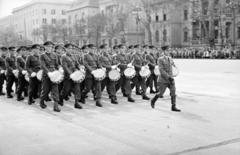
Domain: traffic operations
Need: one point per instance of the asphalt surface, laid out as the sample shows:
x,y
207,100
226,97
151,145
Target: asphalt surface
x,y
208,94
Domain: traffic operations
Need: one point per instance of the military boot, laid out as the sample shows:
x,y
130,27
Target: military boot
x,y
42,104
98,103
56,108
153,101
77,105
173,101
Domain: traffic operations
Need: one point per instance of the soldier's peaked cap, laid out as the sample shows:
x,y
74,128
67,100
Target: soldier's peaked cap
x,y
35,46
48,43
103,46
4,48
164,48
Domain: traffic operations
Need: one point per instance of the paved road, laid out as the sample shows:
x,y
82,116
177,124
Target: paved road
x,y
209,123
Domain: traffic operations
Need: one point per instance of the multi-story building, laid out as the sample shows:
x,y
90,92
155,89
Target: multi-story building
x,y
171,23
78,15
37,13
122,22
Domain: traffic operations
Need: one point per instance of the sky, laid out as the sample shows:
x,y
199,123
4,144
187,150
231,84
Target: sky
x,y
6,6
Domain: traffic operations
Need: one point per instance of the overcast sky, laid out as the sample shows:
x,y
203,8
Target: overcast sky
x,y
6,6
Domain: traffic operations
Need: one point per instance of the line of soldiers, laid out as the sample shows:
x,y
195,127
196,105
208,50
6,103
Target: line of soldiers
x,y
50,57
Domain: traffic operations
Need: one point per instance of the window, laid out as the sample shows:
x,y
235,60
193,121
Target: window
x,y
164,17
185,36
228,27
69,19
53,11
63,12
238,32
216,33
63,21
53,21
44,11
44,21
157,18
157,36
185,14
165,35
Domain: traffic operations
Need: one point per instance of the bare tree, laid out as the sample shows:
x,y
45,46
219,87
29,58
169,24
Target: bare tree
x,y
8,37
96,26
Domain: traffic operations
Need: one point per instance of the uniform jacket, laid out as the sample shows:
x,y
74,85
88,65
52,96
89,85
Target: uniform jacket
x,y
139,61
91,63
10,62
33,64
68,64
2,64
165,65
124,60
20,63
49,62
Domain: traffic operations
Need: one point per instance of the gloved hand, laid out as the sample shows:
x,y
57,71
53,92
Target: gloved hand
x,y
92,72
114,67
2,71
24,72
129,65
171,79
49,74
118,69
33,74
61,69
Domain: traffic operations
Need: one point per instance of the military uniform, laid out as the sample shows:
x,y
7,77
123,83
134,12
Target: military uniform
x,y
152,80
91,63
21,77
70,65
49,63
138,62
33,66
10,78
107,62
166,81
2,74
124,83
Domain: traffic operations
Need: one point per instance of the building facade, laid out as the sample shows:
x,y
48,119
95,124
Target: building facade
x,y
33,15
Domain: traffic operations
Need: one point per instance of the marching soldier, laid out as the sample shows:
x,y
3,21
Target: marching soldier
x,y
138,62
152,80
107,62
124,82
49,63
166,80
59,51
10,66
33,66
3,53
70,65
22,72
91,63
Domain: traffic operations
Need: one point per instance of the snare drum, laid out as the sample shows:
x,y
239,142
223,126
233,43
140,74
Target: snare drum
x,y
78,76
130,72
56,76
114,75
145,72
99,74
